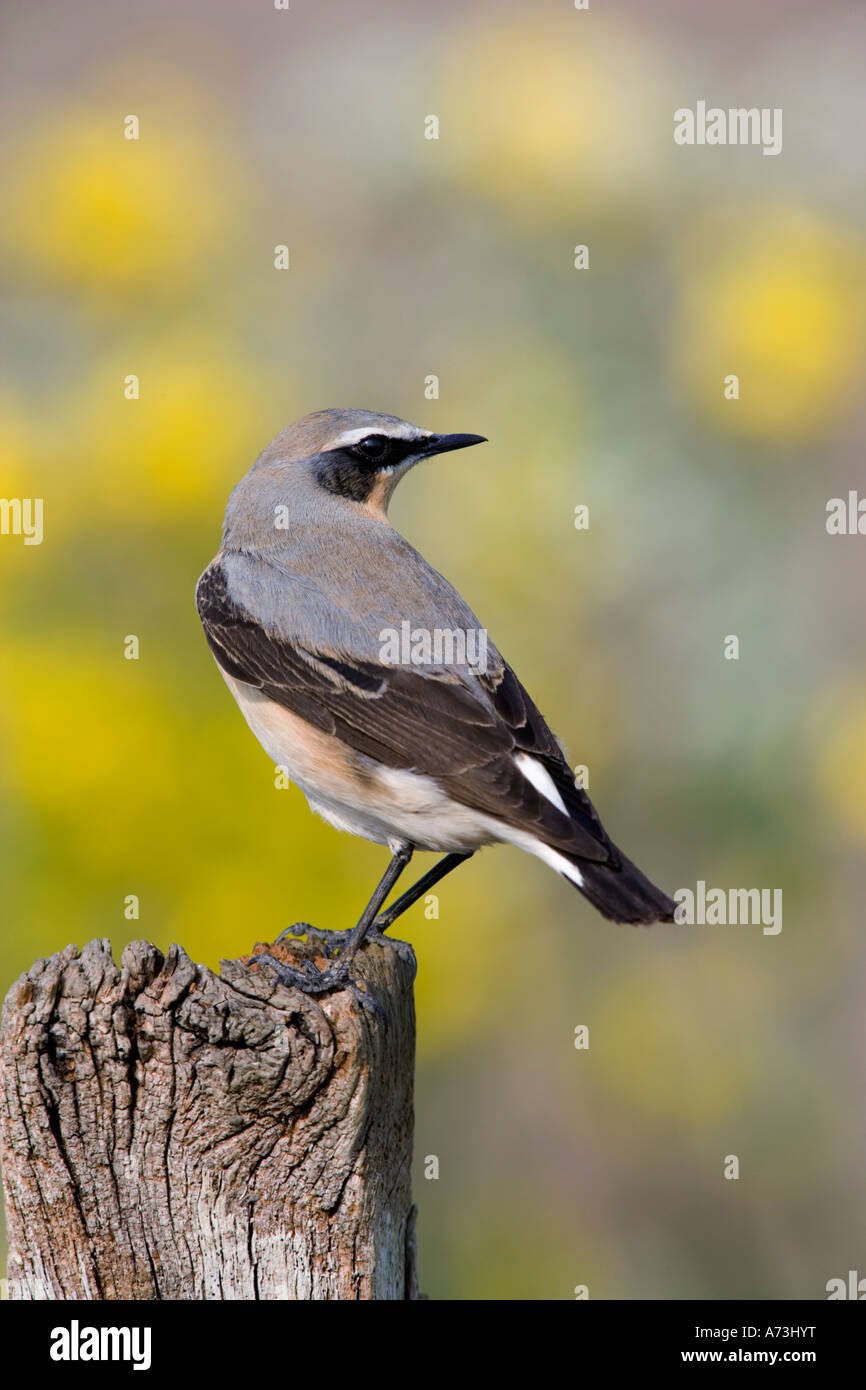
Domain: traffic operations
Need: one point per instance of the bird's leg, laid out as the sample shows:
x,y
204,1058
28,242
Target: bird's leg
x,y
312,981
398,863
387,918
335,940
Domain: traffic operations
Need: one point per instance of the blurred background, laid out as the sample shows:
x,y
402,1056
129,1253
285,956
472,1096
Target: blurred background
x,y
453,258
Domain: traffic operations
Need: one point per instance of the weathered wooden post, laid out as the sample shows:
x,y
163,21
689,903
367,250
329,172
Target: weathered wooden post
x,y
170,1133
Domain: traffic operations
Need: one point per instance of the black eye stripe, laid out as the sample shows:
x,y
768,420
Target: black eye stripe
x,y
375,448
387,453
349,472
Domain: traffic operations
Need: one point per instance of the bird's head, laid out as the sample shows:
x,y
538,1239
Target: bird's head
x,y
355,457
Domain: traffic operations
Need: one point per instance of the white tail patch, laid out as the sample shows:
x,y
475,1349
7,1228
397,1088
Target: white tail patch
x,y
560,863
551,857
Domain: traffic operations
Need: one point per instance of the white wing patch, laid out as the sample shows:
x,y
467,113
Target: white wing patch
x,y
541,779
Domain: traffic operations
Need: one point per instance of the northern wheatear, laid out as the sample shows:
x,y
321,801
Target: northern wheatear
x,y
364,674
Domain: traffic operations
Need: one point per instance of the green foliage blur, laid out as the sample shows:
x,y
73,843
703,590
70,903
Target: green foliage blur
x,y
411,258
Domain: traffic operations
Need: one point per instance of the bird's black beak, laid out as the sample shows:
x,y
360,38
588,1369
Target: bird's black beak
x,y
441,443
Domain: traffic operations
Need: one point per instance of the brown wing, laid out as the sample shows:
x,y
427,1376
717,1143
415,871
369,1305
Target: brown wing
x,y
431,723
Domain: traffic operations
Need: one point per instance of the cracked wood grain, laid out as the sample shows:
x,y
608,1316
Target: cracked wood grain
x,y
168,1133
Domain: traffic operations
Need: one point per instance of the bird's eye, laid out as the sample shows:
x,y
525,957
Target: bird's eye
x,y
374,448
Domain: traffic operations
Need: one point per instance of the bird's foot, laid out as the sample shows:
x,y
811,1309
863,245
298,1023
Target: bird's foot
x,y
309,979
297,929
335,941
332,941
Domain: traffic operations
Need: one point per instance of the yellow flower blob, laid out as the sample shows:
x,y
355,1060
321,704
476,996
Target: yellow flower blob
x,y
91,209
774,297
545,113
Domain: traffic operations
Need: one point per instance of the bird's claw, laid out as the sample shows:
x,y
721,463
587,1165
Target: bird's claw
x,y
296,929
332,941
310,980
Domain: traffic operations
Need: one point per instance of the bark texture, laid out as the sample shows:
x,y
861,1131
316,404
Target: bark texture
x,y
170,1133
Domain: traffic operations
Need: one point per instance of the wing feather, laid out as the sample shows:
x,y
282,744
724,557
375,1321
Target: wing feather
x,y
432,723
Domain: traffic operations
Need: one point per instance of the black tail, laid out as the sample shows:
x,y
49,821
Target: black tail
x,y
622,894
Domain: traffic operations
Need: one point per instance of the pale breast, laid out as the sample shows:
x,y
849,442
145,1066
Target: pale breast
x,y
352,792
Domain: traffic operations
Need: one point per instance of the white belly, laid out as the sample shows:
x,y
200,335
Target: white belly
x,y
389,806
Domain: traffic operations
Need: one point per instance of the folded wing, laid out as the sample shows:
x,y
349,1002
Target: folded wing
x,y
432,723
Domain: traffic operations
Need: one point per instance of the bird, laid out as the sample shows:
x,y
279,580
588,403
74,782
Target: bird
x,y
323,622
